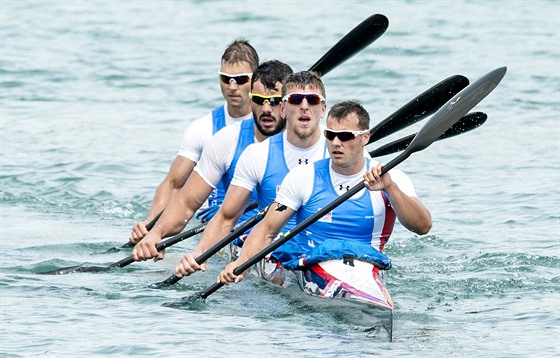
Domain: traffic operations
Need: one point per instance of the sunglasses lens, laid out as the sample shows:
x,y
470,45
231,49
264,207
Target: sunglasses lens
x,y
273,101
342,136
297,98
313,99
240,80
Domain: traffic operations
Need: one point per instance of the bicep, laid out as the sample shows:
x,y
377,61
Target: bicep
x,y
179,172
276,218
235,202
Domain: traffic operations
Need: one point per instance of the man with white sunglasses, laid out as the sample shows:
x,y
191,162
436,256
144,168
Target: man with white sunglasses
x,y
238,62
366,219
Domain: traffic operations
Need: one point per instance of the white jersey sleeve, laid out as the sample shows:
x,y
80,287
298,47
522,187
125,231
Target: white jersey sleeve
x,y
217,155
195,137
297,187
251,166
403,182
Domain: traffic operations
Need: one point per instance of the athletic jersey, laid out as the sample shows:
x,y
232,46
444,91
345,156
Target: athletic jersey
x,y
264,165
219,159
367,217
198,134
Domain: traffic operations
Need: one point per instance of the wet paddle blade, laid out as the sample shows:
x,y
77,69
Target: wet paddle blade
x,y
355,41
79,268
426,104
465,124
185,301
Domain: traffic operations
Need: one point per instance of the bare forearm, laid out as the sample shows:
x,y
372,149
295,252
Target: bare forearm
x,y
162,197
217,228
257,240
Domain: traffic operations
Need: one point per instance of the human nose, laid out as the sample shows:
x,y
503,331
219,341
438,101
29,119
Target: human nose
x,y
232,84
304,104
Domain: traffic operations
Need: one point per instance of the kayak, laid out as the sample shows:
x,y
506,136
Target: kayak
x,y
354,289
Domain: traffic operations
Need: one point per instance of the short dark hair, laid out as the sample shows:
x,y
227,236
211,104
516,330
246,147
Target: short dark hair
x,y
341,110
301,79
240,50
271,72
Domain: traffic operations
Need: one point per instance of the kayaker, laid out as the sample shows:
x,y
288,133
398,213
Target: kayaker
x,y
366,218
264,165
219,158
238,62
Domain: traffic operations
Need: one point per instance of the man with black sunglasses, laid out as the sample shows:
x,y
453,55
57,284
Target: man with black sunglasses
x,y
366,220
220,156
263,166
238,62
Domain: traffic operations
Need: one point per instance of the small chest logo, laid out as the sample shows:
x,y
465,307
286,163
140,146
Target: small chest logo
x,y
327,218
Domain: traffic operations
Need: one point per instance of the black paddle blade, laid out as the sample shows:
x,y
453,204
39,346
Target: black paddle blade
x,y
459,105
356,40
426,104
79,268
465,124
171,280
197,297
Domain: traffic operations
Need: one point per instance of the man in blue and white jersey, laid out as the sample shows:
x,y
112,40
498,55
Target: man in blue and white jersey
x,y
263,166
221,154
366,219
238,62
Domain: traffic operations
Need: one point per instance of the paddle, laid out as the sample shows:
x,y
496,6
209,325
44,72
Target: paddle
x,y
442,120
248,224
355,41
465,124
426,104
128,260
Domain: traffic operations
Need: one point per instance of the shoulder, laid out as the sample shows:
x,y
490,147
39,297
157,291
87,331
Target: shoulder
x,y
302,171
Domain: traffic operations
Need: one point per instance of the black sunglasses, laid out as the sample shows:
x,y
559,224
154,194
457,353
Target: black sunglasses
x,y
343,136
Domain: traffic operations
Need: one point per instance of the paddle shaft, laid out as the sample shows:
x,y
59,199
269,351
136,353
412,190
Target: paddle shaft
x,y
165,244
246,225
149,227
444,118
465,124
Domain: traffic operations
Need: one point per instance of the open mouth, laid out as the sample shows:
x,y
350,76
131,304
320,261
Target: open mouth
x,y
267,121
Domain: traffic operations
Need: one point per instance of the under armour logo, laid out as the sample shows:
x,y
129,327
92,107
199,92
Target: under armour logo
x,y
303,161
341,187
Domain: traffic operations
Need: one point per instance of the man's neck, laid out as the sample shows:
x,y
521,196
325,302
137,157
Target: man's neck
x,y
305,142
350,168
238,112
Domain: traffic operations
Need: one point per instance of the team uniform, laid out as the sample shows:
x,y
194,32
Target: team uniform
x,y
220,156
197,135
366,218
263,166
